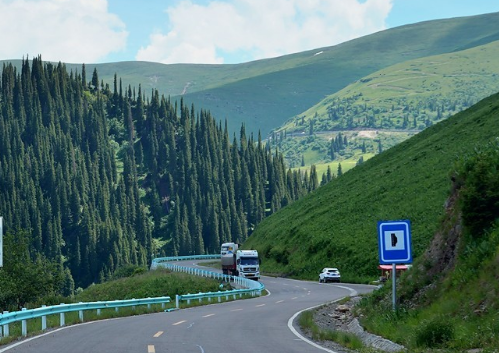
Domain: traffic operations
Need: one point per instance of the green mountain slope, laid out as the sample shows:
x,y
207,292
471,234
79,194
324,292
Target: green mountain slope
x,y
265,101
264,94
449,298
404,98
336,224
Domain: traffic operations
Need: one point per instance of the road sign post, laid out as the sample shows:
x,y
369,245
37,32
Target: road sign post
x,y
394,240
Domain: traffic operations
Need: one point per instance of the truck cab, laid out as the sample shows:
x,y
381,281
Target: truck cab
x,y
248,264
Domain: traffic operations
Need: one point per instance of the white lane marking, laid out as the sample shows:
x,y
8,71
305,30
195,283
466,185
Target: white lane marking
x,y
52,332
192,324
353,292
290,325
256,306
159,333
208,315
151,349
179,322
237,310
279,301
294,298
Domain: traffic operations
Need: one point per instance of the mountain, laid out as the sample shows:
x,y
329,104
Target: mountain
x,y
393,104
264,94
336,224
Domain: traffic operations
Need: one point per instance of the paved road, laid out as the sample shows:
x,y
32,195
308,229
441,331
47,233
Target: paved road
x,y
263,324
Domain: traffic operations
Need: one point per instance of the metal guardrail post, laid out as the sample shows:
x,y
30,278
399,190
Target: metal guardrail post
x,y
24,326
62,318
80,313
6,327
44,320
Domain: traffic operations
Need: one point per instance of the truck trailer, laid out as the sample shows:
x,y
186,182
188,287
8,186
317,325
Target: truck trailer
x,y
228,255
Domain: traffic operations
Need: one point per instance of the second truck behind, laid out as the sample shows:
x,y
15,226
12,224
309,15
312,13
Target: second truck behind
x,y
243,263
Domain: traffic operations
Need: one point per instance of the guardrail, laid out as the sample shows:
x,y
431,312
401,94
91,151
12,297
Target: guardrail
x,y
10,317
251,287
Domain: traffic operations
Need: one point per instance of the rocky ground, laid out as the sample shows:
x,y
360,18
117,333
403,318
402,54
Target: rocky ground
x,y
335,316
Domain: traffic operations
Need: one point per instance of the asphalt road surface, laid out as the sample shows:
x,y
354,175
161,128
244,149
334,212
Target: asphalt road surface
x,y
264,324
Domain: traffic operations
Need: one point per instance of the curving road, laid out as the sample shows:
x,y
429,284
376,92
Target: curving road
x,y
263,324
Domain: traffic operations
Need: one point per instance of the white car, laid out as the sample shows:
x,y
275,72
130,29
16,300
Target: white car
x,y
329,274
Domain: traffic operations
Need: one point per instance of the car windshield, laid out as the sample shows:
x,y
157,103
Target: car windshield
x,y
331,271
249,261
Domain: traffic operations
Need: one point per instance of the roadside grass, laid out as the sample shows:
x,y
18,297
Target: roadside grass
x,y
155,283
456,313
211,264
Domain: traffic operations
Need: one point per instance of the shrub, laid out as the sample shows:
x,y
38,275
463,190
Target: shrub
x,y
434,333
480,194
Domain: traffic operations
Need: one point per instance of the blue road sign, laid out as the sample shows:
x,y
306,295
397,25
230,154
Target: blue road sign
x,y
394,240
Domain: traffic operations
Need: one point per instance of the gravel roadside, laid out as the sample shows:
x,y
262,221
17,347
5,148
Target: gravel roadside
x,y
335,316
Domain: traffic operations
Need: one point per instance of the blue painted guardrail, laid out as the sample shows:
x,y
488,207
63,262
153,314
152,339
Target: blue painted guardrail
x,y
250,287
10,317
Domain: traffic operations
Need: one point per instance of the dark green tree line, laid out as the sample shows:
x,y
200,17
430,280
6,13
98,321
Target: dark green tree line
x,y
105,177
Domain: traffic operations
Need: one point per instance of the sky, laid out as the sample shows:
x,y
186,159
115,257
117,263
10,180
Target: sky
x,y
203,31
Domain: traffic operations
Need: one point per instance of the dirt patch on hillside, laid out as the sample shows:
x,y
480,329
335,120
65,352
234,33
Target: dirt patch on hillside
x,y
368,133
442,253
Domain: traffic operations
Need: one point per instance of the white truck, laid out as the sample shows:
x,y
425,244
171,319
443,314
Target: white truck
x,y
248,264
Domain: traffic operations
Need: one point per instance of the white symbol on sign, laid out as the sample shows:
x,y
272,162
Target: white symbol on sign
x,y
394,240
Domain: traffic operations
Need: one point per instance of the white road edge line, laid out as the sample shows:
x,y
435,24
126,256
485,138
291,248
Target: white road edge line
x,y
26,340
353,293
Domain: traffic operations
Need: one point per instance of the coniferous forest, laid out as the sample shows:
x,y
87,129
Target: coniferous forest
x,y
97,177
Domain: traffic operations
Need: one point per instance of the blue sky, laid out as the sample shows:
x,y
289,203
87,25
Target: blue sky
x,y
203,31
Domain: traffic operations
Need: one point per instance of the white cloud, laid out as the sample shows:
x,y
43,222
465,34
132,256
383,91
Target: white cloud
x,y
202,34
72,31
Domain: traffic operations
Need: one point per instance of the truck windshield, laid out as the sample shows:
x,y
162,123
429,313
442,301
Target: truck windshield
x,y
249,261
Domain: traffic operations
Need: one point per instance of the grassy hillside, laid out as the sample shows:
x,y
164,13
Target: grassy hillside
x,y
437,86
264,94
449,299
397,101
336,224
